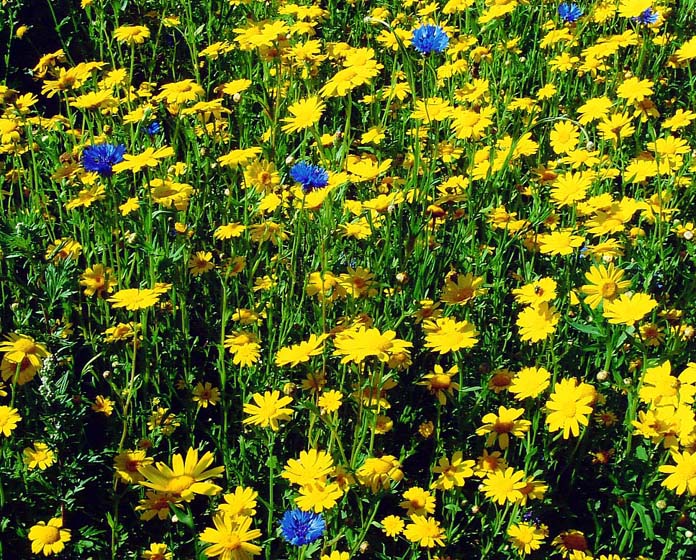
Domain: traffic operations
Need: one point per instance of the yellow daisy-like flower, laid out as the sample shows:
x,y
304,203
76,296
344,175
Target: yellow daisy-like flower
x,y
504,486
628,309
268,410
230,539
48,538
526,537
132,34
569,407
466,288
418,501
530,382
39,456
134,298
440,384
392,525
205,394
356,345
318,496
379,472
446,335
330,401
240,503
605,284
425,531
537,323
682,476
185,478
498,427
9,418
453,473
537,292
305,114
19,347
312,466
157,551
127,465
302,352
200,263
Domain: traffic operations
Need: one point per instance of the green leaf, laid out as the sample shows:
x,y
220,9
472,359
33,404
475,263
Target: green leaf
x,y
645,521
583,328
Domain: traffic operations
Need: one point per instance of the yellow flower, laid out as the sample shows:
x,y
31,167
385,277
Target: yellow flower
x,y
305,114
379,472
682,475
132,34
440,383
392,525
446,335
497,427
330,401
230,538
127,465
19,347
465,289
534,293
201,263
268,410
134,299
38,456
302,352
356,345
203,395
605,284
318,496
526,537
99,280
185,478
569,407
418,501
150,157
158,551
530,382
504,486
537,323
312,466
240,503
9,418
628,309
425,531
452,474
336,555
48,538
177,93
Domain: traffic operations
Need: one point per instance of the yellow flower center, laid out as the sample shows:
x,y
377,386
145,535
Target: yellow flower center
x,y
231,542
608,289
440,381
50,534
569,409
503,427
180,483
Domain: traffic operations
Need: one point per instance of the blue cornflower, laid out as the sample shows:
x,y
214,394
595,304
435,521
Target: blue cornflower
x,y
647,17
569,13
429,38
102,157
153,128
302,527
309,176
